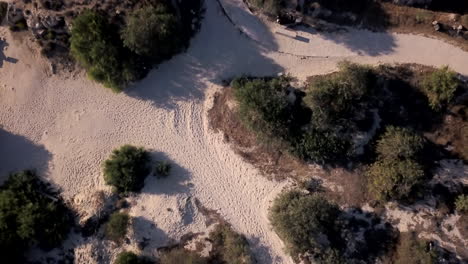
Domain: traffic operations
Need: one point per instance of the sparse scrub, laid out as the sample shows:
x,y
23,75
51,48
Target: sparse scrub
x,y
440,87
181,256
410,249
153,31
162,168
30,213
127,168
231,247
116,227
305,223
461,204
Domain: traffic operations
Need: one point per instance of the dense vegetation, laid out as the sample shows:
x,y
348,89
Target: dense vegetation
x,y
30,214
127,168
116,227
229,246
396,171
92,36
153,32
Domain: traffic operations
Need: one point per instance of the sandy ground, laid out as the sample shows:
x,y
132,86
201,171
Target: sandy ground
x,y
66,125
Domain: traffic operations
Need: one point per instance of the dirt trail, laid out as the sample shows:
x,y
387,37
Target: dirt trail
x,y
67,125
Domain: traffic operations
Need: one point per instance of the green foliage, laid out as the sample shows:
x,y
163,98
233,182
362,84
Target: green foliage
x,y
162,168
336,100
181,256
440,87
263,105
399,143
127,168
412,250
152,31
305,223
232,248
461,204
321,146
116,227
270,7
30,214
94,46
128,257
394,179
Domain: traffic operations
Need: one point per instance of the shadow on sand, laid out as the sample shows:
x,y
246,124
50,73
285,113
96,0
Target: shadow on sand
x,y
216,53
19,153
3,57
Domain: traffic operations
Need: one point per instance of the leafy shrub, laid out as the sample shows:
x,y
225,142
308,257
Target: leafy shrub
x,y
305,223
128,257
127,168
394,179
30,213
440,87
461,204
162,168
263,105
321,146
412,250
181,256
116,227
152,31
399,143
337,100
94,44
231,247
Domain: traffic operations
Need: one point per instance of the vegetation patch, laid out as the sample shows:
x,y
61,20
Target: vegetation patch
x,y
162,168
128,257
229,246
3,11
31,213
440,87
182,256
116,227
127,168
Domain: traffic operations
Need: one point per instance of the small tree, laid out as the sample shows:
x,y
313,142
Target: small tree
x,y
440,87
394,179
322,146
399,143
461,204
305,223
116,227
153,31
127,168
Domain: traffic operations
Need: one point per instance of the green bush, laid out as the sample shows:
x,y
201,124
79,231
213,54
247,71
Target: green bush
x,y
412,250
461,204
305,223
181,256
338,99
440,87
263,105
322,146
162,168
231,247
394,179
116,227
127,168
153,32
399,143
128,257
30,213
94,45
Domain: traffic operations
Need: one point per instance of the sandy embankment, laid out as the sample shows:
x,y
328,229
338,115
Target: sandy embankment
x,y
67,125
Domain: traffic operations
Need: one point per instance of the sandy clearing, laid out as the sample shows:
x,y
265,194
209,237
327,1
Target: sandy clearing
x,y
67,125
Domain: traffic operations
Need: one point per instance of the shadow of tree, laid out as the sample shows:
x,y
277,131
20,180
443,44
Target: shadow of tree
x,y
3,57
148,236
19,153
186,76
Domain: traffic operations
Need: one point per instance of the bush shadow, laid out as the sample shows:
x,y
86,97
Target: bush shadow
x,y
176,182
216,53
148,235
3,57
19,153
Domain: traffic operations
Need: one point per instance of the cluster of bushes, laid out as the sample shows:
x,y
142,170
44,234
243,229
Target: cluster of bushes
x,y
116,55
31,213
397,170
229,246
127,168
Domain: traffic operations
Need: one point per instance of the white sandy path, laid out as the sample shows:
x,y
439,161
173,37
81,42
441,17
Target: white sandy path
x,y
78,122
